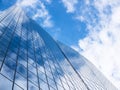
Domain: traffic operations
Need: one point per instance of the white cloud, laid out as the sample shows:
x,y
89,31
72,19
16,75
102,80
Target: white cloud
x,y
88,72
39,11
70,5
75,48
25,3
49,1
101,46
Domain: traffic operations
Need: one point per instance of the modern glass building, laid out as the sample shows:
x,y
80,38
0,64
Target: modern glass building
x,y
31,60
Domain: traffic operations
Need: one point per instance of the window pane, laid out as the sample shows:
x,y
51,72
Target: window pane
x,y
17,87
9,62
32,69
7,72
13,47
33,78
42,76
22,70
1,58
3,48
21,81
12,54
5,84
22,61
43,85
4,41
33,87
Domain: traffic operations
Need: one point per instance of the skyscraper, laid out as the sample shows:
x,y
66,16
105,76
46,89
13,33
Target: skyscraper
x,y
30,59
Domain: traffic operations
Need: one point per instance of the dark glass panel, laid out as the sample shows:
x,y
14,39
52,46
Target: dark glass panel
x,y
13,46
22,70
4,41
23,54
12,55
3,49
1,57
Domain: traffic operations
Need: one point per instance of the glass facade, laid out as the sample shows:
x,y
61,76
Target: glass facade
x,y
31,60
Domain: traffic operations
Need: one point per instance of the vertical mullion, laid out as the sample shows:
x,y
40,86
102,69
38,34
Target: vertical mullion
x,y
34,58
50,69
9,44
46,76
27,56
76,88
7,14
8,25
73,69
44,70
99,81
36,62
27,29
17,55
57,62
72,66
52,74
61,69
71,81
57,73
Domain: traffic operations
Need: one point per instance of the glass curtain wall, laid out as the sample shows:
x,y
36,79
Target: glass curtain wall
x,y
31,60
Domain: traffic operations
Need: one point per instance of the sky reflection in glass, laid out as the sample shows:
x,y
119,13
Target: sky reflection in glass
x,y
31,60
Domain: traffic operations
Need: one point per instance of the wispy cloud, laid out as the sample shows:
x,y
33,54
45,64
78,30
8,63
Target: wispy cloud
x,y
101,45
39,11
92,77
70,5
48,1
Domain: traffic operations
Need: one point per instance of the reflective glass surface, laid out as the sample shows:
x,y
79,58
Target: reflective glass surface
x,y
30,59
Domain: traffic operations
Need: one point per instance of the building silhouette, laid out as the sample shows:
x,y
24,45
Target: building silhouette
x,y
30,59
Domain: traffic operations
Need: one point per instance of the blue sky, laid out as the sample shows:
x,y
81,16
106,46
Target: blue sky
x,y
64,27
92,27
